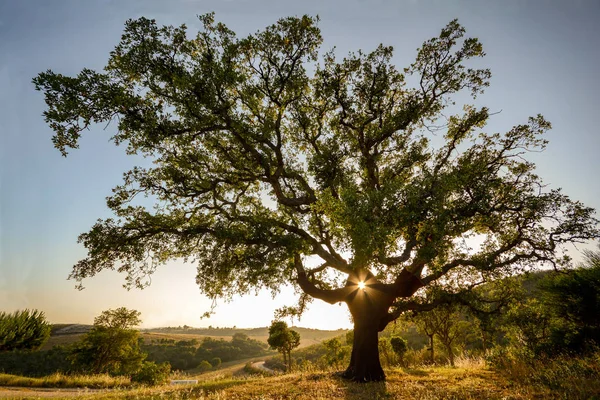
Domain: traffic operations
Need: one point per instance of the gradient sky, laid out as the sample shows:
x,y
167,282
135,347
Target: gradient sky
x,y
544,57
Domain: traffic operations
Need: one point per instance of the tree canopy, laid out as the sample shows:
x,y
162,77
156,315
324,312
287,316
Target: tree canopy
x,y
111,346
268,155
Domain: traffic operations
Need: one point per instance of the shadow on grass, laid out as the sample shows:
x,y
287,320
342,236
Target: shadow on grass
x,y
362,391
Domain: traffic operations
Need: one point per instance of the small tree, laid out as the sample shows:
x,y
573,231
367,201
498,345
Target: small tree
x,y
427,326
284,340
400,346
23,330
112,346
447,322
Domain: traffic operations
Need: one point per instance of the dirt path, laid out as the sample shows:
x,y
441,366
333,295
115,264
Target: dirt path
x,y
261,366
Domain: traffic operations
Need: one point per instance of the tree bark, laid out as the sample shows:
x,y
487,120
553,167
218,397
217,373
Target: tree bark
x,y
364,361
369,307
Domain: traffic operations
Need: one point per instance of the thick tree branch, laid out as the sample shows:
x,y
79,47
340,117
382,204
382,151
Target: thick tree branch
x,y
330,296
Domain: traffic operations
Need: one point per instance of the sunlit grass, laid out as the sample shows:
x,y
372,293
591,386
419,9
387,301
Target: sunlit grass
x,y
469,379
411,384
58,380
573,377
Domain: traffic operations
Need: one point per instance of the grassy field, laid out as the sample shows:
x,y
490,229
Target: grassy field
x,y
58,380
466,382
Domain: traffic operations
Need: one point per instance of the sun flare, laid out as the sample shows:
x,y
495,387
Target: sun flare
x,y
361,285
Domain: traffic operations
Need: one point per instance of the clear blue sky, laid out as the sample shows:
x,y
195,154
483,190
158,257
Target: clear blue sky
x,y
544,57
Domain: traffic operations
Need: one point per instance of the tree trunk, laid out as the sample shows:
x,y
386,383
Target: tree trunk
x,y
431,349
369,309
364,361
450,354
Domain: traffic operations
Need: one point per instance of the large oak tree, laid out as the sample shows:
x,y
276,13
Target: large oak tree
x,y
268,155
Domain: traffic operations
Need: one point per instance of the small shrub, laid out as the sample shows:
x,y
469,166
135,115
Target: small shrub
x,y
275,363
204,366
152,373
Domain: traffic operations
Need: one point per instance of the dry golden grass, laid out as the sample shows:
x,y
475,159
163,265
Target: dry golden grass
x,y
410,384
59,380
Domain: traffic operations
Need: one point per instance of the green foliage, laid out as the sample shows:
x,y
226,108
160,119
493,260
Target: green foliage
x,y
23,330
336,353
111,346
121,318
385,351
226,121
528,324
349,337
181,355
400,347
39,363
573,301
559,313
204,366
152,374
188,354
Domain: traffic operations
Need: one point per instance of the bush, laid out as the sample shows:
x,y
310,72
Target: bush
x,y
204,366
152,374
23,330
275,363
215,362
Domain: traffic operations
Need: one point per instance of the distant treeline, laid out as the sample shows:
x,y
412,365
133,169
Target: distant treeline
x,y
188,354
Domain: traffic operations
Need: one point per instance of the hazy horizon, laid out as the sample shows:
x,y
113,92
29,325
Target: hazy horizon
x,y
543,57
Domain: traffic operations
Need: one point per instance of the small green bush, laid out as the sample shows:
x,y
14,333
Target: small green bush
x,y
204,366
152,373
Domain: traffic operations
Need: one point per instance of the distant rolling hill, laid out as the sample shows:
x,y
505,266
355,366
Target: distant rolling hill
x,y
65,334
